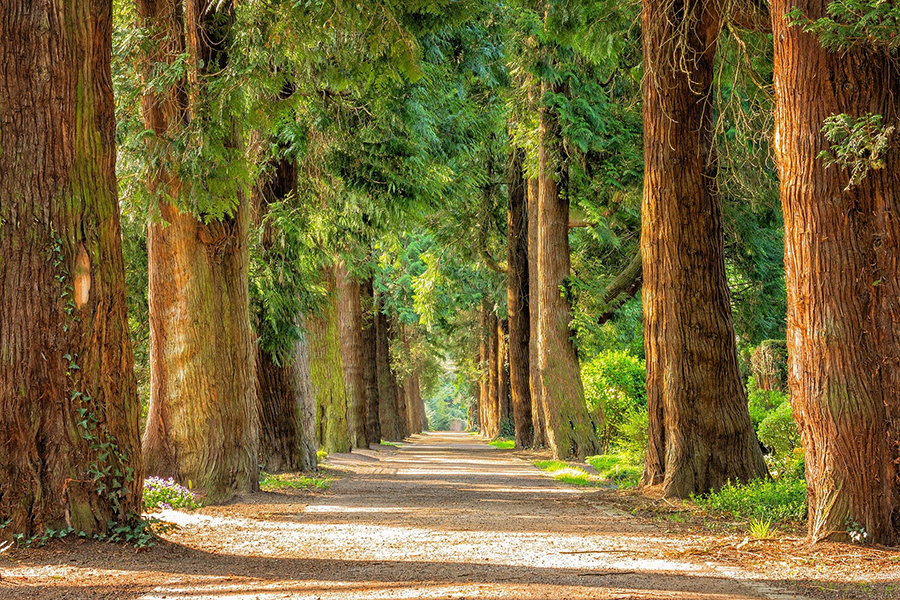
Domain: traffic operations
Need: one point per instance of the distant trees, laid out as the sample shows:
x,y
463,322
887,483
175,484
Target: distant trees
x,y
70,454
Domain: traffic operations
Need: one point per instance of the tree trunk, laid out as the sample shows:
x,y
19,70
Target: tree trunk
x,y
504,405
350,318
492,415
67,384
700,431
327,373
571,431
202,424
841,264
517,300
370,363
388,412
534,374
284,396
283,388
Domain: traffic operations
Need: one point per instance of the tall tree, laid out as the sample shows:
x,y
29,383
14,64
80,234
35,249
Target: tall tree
x,y
327,371
350,321
700,430
534,375
842,244
517,300
370,362
570,431
202,425
68,401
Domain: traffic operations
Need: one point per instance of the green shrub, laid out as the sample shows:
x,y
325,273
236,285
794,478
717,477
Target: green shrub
x,y
773,499
162,493
614,387
779,433
762,402
634,433
621,468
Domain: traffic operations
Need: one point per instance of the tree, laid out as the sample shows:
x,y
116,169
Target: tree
x,y
518,300
68,401
350,321
700,430
327,371
570,431
202,425
841,249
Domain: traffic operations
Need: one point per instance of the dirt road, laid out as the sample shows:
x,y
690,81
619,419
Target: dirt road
x,y
443,517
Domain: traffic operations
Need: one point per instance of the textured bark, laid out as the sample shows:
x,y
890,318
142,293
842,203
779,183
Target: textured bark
x,y
842,259
283,388
284,395
327,373
700,430
517,300
388,412
571,431
370,365
491,425
504,404
350,319
534,374
62,282
202,424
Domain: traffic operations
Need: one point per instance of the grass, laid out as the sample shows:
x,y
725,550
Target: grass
x,y
295,481
617,467
778,500
503,444
562,471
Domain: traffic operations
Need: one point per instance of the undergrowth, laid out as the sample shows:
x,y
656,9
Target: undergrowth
x,y
562,471
296,481
776,500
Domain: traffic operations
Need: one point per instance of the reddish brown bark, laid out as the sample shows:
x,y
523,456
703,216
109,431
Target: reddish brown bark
x,y
534,374
841,264
517,301
202,425
571,431
350,320
700,430
370,363
66,363
388,411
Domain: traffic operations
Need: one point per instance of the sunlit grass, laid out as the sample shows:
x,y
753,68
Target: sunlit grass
x,y
503,444
562,471
296,481
617,467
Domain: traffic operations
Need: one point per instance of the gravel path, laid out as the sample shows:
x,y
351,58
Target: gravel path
x,y
445,516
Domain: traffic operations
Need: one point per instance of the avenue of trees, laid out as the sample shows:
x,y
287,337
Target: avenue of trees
x,y
233,234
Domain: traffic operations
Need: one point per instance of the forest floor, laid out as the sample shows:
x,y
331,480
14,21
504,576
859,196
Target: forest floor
x,y
445,516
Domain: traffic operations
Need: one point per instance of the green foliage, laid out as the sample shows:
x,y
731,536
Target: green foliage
x,y
621,468
773,499
562,471
761,529
779,432
856,144
295,481
167,494
866,23
614,384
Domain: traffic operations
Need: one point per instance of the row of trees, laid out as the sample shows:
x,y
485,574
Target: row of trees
x,y
342,200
